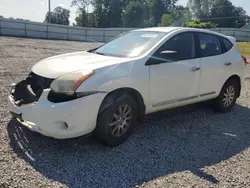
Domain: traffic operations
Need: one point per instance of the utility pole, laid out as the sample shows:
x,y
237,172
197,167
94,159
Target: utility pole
x,y
49,10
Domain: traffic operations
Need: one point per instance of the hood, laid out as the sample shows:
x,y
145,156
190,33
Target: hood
x,y
56,66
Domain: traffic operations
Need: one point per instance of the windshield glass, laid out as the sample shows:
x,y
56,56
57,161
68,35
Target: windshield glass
x,y
131,44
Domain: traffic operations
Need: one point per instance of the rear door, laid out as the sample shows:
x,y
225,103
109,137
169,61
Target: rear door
x,y
213,64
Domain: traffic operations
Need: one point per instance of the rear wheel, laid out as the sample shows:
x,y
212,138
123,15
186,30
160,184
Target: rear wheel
x,y
117,121
228,96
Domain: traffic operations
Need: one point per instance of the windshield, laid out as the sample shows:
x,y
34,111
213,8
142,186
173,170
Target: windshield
x,y
131,44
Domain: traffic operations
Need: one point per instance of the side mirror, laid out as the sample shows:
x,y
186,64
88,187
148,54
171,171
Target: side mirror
x,y
169,52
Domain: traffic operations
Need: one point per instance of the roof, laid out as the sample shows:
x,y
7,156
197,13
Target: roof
x,y
170,29
159,29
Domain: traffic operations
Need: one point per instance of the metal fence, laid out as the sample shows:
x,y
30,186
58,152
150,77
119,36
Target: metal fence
x,y
53,31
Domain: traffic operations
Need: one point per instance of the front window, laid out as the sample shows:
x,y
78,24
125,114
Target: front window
x,y
131,44
178,48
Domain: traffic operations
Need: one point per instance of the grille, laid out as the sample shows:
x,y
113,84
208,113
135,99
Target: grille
x,y
38,83
30,90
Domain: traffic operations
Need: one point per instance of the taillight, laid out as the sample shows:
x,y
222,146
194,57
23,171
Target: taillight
x,y
245,59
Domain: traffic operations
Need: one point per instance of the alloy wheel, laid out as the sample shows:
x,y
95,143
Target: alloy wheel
x,y
228,96
121,120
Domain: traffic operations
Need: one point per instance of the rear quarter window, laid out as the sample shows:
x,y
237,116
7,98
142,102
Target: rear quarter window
x,y
227,44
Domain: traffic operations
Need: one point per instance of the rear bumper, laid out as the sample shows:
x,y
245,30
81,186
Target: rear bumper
x,y
59,120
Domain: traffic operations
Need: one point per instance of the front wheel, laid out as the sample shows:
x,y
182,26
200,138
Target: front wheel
x,y
228,96
117,122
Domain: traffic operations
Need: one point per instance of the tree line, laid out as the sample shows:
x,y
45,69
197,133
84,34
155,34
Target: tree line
x,y
149,13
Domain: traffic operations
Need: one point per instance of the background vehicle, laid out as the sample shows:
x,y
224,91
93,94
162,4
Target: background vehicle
x,y
109,89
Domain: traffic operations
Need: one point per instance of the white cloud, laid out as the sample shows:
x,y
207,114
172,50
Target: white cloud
x,y
61,5
1,7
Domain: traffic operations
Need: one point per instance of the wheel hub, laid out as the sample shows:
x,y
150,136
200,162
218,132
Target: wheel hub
x,y
121,120
228,96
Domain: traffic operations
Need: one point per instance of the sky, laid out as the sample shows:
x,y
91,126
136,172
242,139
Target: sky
x,y
35,10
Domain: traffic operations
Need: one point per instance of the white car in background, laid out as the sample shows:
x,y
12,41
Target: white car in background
x,y
108,90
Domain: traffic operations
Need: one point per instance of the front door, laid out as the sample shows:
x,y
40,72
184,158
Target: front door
x,y
174,71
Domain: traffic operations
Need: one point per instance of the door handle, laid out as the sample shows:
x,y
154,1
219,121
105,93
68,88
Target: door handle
x,y
227,64
195,69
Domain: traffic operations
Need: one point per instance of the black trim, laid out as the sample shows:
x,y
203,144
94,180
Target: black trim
x,y
197,45
175,101
56,97
183,99
205,94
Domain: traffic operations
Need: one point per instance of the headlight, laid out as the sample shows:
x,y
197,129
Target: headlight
x,y
68,83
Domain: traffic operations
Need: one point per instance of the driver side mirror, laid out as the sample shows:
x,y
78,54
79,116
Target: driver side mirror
x,y
162,57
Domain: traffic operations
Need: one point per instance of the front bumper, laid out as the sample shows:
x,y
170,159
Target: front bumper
x,y
59,120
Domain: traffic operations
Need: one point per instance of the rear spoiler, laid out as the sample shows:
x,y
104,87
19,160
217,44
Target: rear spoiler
x,y
232,39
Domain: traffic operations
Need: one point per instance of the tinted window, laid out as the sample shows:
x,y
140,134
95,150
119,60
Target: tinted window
x,y
227,44
209,45
179,47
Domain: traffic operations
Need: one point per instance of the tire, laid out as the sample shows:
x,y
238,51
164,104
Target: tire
x,y
231,86
107,129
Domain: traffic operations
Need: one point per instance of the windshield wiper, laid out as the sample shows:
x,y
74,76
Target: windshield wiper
x,y
99,53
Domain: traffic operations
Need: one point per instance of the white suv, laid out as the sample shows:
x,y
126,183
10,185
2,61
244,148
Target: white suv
x,y
108,90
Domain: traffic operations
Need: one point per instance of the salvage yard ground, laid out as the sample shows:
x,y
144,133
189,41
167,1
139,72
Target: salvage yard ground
x,y
186,147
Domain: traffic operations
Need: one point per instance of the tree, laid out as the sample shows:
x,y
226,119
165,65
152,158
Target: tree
x,y
117,13
157,9
82,18
225,14
107,13
197,24
58,16
166,20
178,12
200,8
134,14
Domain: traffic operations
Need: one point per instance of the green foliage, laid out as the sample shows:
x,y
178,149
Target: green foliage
x,y
197,24
149,13
156,8
200,8
134,14
117,13
58,16
166,20
228,14
221,12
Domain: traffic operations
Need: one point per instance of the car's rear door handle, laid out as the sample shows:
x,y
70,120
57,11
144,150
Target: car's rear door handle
x,y
227,64
195,69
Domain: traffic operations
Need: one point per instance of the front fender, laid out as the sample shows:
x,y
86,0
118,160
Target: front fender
x,y
124,75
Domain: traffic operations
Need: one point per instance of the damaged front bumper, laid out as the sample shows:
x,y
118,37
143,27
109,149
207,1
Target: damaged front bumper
x,y
59,120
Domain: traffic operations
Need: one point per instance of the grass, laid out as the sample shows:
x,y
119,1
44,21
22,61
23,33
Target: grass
x,y
244,48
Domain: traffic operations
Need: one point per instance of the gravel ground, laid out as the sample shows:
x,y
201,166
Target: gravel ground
x,y
186,147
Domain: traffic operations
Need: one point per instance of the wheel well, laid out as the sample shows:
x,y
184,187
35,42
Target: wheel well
x,y
118,92
237,79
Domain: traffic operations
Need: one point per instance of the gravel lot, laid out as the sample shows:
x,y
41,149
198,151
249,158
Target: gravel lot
x,y
186,147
